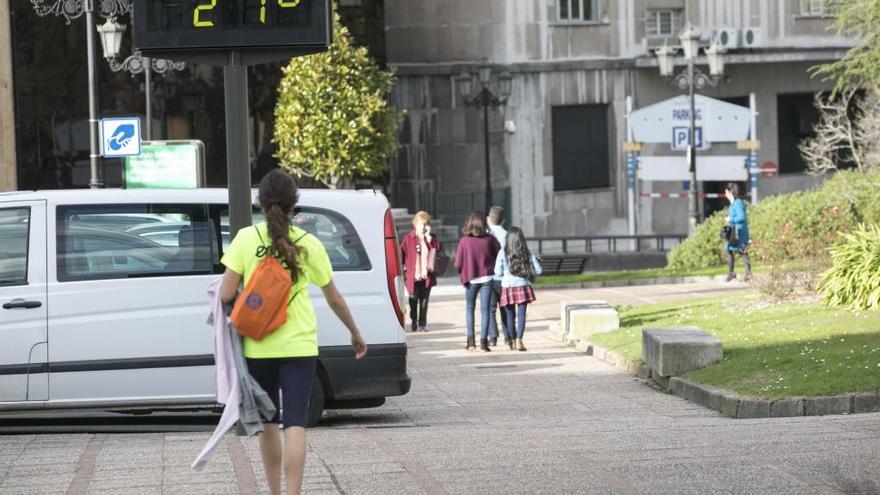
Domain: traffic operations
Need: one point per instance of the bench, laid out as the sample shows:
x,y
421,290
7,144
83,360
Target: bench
x,y
563,264
675,351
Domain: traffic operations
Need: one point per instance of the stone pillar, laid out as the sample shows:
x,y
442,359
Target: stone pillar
x,y
8,175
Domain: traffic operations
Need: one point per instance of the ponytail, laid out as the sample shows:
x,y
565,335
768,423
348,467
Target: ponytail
x,y
278,196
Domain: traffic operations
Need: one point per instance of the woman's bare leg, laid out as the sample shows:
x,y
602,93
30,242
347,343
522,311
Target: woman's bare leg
x,y
270,448
294,458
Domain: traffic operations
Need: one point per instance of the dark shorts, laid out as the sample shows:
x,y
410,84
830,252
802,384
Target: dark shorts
x,y
293,377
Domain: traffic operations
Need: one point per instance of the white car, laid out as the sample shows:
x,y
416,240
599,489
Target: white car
x,y
99,312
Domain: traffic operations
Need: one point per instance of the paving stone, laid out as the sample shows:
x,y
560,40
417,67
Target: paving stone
x,y
823,406
753,408
786,408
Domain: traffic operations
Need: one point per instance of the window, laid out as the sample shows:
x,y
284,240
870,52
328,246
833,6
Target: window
x,y
796,116
14,231
578,10
816,8
580,147
125,241
663,23
336,233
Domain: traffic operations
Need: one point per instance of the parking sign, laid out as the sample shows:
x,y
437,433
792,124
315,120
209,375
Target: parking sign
x,y
681,137
120,136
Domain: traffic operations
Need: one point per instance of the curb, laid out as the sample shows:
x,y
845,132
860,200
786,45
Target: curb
x,y
736,406
635,282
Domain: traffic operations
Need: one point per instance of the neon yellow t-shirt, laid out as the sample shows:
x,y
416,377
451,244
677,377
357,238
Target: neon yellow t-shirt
x,y
298,336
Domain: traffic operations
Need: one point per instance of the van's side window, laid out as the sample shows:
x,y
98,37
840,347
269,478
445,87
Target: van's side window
x,y
122,241
335,232
14,230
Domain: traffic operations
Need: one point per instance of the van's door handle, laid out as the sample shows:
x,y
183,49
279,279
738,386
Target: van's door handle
x,y
20,304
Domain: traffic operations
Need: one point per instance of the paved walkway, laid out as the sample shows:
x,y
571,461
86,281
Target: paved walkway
x,y
545,421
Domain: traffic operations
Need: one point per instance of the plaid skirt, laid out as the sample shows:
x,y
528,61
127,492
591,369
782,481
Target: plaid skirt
x,y
517,295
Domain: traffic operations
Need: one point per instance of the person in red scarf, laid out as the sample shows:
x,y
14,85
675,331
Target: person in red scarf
x,y
419,251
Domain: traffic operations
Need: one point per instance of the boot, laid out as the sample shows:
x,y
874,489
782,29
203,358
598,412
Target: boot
x,y
493,341
520,345
512,345
484,345
470,343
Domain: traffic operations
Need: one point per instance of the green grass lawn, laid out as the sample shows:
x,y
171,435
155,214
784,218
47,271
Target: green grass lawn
x,y
783,350
629,275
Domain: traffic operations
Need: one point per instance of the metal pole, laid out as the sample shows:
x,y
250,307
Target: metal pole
x,y
753,154
238,170
94,153
484,100
148,89
630,171
692,156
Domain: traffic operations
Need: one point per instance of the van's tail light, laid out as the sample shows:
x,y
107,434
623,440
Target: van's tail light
x,y
392,266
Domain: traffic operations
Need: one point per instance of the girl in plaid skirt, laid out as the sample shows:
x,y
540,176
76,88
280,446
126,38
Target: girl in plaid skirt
x,y
518,268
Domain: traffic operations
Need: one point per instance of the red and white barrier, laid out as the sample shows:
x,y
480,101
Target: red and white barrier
x,y
680,195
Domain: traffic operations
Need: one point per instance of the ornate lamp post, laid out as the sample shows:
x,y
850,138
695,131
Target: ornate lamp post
x,y
486,99
691,80
73,9
111,40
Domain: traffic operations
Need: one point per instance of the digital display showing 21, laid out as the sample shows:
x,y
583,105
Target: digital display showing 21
x,y
194,15
176,25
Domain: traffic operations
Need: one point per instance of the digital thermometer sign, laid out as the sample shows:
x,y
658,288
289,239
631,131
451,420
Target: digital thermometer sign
x,y
198,25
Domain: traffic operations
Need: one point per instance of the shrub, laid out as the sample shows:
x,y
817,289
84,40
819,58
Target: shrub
x,y
854,277
799,226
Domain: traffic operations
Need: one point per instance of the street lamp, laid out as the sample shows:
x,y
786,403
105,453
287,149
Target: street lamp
x,y
111,40
72,9
691,80
486,99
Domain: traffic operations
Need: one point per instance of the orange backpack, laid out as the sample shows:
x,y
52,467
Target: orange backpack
x,y
262,306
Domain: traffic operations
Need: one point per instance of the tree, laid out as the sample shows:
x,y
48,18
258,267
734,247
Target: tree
x,y
857,19
848,132
332,120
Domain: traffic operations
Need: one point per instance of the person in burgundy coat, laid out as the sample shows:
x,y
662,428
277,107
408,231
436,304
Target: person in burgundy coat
x,y
419,251
475,262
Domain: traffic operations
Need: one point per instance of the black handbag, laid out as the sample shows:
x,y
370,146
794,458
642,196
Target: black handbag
x,y
728,233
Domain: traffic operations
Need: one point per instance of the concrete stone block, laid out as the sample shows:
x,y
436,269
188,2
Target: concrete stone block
x,y
786,408
823,406
729,405
753,408
643,371
866,403
583,323
584,346
671,352
565,308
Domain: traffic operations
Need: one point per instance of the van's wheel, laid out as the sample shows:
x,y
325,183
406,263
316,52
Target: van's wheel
x,y
316,403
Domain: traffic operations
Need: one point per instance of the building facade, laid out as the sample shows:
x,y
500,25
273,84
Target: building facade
x,y
556,146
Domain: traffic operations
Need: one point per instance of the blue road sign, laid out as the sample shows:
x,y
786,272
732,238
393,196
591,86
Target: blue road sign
x,y
120,136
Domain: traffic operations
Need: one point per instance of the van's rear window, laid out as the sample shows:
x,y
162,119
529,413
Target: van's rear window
x,y
335,232
124,241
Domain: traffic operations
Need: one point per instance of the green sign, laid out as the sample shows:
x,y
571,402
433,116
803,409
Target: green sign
x,y
166,165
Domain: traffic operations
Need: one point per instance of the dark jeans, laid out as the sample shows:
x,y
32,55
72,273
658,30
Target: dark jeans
x,y
485,292
493,307
418,305
516,318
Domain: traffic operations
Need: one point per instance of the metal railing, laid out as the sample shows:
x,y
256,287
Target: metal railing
x,y
610,243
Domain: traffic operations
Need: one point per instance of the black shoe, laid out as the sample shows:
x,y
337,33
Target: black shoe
x,y
484,345
493,341
731,276
471,343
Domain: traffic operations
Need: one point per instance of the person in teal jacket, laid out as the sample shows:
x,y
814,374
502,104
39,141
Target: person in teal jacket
x,y
739,223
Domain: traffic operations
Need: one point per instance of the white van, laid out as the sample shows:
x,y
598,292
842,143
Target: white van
x,y
104,301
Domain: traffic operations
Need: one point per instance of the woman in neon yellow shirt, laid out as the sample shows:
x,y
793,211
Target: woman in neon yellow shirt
x,y
286,359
